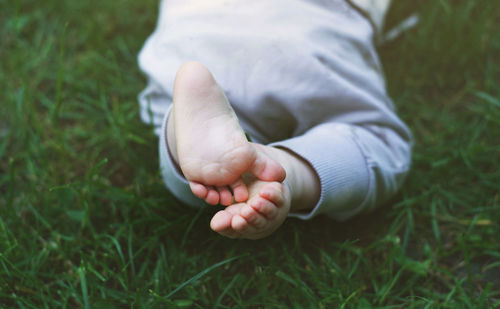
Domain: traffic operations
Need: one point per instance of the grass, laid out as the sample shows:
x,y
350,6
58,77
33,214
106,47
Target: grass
x,y
85,221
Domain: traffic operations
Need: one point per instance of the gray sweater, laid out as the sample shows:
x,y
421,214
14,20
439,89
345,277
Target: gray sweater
x,y
300,74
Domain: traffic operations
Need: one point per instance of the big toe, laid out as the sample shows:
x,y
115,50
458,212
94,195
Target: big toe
x,y
221,221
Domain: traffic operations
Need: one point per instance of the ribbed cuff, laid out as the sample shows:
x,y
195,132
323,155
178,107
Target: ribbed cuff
x,y
340,166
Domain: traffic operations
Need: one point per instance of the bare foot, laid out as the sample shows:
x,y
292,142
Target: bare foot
x,y
270,202
208,142
260,216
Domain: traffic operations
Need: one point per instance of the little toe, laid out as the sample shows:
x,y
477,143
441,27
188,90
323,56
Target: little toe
x,y
225,196
198,189
212,196
240,190
264,207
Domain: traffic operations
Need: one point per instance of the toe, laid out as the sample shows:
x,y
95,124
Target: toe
x,y
221,221
239,224
198,189
212,196
265,207
225,196
273,192
240,190
253,217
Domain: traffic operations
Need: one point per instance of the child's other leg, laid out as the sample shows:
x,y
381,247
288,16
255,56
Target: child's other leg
x,y
270,202
207,141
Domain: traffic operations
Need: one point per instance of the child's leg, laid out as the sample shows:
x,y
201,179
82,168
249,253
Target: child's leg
x,y
211,148
206,140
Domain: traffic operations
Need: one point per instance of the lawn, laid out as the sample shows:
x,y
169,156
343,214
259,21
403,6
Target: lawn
x,y
85,221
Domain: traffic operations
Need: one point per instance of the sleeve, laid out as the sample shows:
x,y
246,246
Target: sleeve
x,y
359,167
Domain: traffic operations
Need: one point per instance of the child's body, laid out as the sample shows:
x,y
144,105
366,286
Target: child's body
x,y
302,79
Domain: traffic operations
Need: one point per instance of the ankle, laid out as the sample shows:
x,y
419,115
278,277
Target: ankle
x,y
301,180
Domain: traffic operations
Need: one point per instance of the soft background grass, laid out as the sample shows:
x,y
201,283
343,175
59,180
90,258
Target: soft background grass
x,y
85,220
